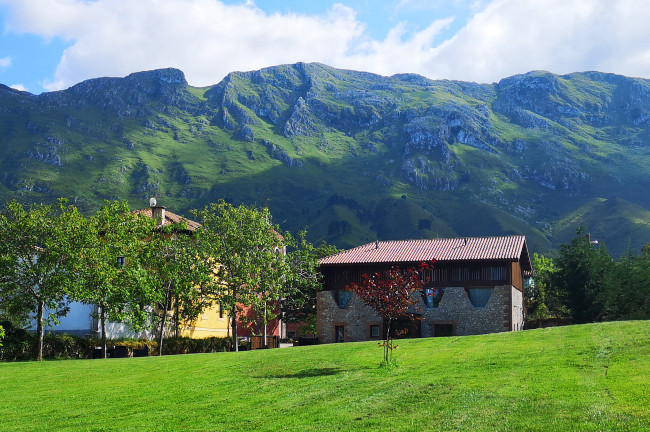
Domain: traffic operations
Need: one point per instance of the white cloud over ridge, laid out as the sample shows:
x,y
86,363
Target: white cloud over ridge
x,y
207,39
5,62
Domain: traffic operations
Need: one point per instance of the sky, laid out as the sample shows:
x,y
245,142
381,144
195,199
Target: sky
x,y
48,45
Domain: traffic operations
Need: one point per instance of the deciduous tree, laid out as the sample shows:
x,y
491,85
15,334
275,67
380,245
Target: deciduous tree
x,y
247,251
39,264
390,294
303,280
113,272
174,277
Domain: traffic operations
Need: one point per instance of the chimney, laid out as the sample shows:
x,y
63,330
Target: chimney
x,y
376,244
157,212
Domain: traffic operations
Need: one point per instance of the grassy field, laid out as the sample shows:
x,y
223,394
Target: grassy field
x,y
578,378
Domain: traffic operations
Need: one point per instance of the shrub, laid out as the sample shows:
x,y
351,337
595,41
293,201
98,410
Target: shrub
x,y
19,345
184,345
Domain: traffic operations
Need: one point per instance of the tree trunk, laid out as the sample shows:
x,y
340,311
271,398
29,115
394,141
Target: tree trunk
x,y
235,341
39,330
102,317
265,342
388,343
162,323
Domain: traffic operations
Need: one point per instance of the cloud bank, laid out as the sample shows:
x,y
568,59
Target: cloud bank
x,y
208,39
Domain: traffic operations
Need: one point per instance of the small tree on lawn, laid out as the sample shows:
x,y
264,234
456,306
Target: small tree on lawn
x,y
390,294
39,263
112,272
303,280
174,276
246,249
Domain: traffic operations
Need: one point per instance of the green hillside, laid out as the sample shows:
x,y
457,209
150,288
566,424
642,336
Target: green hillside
x,y
352,156
578,378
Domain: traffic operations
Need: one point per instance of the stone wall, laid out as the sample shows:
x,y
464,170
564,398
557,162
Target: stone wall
x,y
502,312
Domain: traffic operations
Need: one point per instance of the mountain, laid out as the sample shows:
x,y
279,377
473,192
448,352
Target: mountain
x,y
350,155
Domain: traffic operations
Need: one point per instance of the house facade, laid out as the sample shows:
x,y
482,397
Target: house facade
x,y
475,286
212,322
80,318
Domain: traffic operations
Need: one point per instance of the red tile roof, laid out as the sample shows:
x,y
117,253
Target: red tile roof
x,y
170,218
511,248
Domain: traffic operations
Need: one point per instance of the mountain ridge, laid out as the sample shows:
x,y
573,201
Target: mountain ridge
x,y
346,153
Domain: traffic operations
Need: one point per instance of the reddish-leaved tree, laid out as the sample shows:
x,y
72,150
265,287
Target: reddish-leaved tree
x,y
390,295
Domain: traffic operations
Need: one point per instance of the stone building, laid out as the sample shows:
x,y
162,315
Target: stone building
x,y
474,287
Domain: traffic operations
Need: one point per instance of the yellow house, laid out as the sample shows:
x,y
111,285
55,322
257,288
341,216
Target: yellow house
x,y
214,321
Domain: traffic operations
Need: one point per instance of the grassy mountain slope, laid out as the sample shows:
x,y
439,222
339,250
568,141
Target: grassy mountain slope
x,y
587,378
351,155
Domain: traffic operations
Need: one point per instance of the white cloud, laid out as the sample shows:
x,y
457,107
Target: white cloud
x,y
5,62
207,39
562,36
18,87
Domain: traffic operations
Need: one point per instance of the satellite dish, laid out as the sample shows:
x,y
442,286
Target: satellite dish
x,y
152,202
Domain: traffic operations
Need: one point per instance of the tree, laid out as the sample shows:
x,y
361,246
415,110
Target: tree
x,y
174,275
628,287
390,294
303,281
39,265
112,271
2,334
580,277
246,252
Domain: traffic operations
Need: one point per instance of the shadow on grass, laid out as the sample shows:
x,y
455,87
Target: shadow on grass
x,y
307,373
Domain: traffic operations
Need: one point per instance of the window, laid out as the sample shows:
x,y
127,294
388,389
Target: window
x,y
120,261
220,310
339,333
432,297
443,330
342,298
374,331
479,296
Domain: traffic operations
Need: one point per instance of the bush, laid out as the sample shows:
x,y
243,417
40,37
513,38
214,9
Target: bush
x,y
184,345
66,346
20,345
2,334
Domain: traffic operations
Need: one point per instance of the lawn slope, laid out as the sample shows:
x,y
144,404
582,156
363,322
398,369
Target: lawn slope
x,y
577,378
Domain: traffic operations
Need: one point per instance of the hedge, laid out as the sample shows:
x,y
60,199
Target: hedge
x,y
20,345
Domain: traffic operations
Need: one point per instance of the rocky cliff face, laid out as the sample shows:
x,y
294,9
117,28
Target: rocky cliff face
x,y
525,151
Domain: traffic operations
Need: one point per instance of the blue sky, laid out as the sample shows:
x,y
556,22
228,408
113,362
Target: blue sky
x,y
49,45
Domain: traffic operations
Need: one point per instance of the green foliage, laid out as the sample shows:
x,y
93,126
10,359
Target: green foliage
x,y
186,345
585,284
246,253
511,152
2,335
574,378
20,344
173,275
40,264
302,280
580,277
112,269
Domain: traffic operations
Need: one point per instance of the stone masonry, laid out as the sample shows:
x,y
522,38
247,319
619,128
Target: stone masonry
x,y
503,312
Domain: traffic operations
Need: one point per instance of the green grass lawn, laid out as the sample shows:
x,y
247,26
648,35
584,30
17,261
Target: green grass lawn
x,y
578,378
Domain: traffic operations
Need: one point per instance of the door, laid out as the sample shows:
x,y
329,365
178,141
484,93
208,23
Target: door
x,y
339,333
